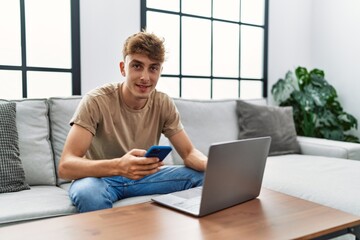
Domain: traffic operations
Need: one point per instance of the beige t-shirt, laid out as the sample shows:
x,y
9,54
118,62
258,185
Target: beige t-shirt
x,y
117,128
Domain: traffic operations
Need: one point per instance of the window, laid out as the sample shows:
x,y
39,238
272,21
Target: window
x,y
39,48
216,49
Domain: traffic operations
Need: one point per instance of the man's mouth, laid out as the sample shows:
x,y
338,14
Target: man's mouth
x,y
143,87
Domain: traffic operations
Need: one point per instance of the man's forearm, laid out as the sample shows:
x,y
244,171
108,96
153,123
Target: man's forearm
x,y
74,168
196,160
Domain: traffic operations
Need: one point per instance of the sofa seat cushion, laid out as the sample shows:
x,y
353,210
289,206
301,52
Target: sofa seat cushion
x,y
36,203
332,182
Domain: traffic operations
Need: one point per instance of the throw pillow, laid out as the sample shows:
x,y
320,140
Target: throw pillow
x,y
12,175
273,121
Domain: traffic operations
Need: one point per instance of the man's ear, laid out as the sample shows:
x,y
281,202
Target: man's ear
x,y
122,68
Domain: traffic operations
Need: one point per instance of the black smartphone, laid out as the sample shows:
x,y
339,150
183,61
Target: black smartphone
x,y
158,151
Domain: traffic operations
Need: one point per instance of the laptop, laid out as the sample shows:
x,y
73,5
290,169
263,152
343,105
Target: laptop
x,y
234,175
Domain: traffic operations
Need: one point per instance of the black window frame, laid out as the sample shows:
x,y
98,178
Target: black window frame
x,y
264,79
75,51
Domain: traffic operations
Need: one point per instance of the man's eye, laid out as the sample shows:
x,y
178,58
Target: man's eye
x,y
136,66
154,69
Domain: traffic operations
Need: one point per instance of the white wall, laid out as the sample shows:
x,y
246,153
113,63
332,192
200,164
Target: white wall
x,y
335,48
104,25
289,38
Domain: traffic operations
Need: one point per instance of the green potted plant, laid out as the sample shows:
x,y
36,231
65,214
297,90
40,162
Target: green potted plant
x,y
316,110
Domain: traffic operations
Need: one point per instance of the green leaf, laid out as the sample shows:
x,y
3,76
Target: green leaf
x,y
303,76
282,89
318,81
347,121
351,138
333,134
327,118
317,72
305,100
318,98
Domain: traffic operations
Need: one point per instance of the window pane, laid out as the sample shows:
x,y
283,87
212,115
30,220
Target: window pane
x,y
157,23
171,5
11,84
198,7
226,49
196,88
253,11
227,9
49,84
223,88
170,86
250,89
48,33
196,46
10,40
252,47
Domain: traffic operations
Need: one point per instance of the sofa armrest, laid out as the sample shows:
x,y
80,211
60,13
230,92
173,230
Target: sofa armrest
x,y
329,148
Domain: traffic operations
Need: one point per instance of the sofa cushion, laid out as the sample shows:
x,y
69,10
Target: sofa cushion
x,y
328,181
273,121
36,203
207,122
60,111
34,133
12,175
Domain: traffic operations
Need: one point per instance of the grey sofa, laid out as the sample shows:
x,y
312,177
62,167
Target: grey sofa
x,y
326,172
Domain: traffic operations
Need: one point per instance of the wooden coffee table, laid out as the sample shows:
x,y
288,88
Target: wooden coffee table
x,y
271,216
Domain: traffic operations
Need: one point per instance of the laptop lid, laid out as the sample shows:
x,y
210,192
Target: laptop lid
x,y
234,175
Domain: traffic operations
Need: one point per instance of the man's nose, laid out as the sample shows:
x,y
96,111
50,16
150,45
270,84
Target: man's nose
x,y
145,75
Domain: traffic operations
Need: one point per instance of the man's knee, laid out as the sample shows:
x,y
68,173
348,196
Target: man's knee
x,y
89,194
195,177
198,178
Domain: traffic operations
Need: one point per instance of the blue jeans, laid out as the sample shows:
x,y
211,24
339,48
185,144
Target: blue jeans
x,y
90,193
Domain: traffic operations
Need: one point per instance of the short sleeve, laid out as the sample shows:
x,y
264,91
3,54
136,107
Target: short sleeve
x,y
171,116
87,114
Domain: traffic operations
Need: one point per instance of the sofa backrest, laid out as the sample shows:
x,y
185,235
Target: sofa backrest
x,y
209,121
60,112
206,122
34,141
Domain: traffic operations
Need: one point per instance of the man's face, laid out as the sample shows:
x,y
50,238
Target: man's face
x,y
141,73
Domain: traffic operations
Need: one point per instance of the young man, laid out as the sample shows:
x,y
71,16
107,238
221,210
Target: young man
x,y
115,124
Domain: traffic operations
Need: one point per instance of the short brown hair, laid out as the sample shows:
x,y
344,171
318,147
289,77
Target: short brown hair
x,y
147,44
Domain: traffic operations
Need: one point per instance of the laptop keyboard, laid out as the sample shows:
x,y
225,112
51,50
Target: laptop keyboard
x,y
192,204
189,193
188,199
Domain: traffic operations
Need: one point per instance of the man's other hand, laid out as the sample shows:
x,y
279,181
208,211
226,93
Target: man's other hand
x,y
134,165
